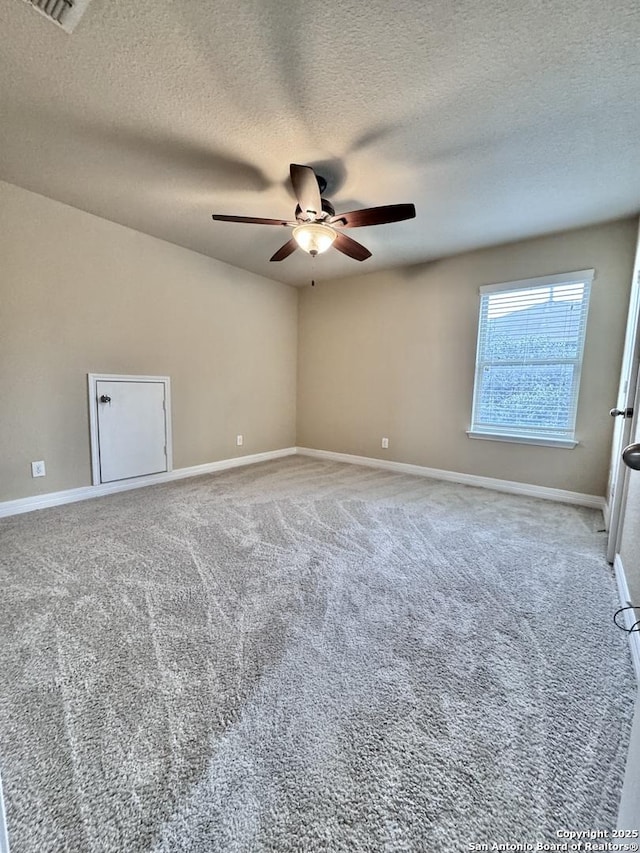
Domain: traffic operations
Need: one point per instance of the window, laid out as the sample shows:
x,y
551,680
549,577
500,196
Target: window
x,y
530,343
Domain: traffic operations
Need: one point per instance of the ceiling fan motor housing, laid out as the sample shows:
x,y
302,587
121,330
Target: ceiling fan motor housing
x,y
327,211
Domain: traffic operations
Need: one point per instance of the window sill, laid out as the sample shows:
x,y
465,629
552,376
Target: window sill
x,y
524,439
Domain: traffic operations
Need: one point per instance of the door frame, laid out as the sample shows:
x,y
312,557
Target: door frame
x,y
627,398
92,379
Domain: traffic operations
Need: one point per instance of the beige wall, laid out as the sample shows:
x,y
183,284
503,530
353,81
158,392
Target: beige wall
x,y
381,354
79,294
392,354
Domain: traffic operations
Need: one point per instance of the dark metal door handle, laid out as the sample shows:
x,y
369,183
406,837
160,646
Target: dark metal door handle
x,y
625,413
105,399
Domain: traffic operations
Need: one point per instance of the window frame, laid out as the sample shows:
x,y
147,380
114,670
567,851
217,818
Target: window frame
x,y
528,435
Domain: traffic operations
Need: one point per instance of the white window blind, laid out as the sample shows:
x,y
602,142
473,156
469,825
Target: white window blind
x,y
530,345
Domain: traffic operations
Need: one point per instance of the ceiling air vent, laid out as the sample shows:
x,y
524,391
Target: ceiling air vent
x,y
66,13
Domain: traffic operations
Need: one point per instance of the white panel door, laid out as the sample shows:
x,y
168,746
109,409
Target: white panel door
x,y
624,413
132,431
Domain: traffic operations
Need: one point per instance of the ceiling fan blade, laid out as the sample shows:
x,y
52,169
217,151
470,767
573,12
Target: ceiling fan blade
x,y
305,186
374,215
349,247
284,251
252,220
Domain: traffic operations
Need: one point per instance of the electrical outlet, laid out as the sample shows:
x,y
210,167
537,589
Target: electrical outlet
x,y
385,443
38,469
239,440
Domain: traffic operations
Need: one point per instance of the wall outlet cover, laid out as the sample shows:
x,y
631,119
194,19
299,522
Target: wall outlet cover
x,y
385,443
38,469
239,440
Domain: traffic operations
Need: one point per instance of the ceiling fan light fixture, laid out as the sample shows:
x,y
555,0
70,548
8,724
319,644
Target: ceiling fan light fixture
x,y
314,237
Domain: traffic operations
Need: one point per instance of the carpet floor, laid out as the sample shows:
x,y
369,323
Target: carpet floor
x,y
308,656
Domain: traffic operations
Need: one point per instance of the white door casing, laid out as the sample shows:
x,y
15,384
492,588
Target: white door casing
x,y
623,425
130,420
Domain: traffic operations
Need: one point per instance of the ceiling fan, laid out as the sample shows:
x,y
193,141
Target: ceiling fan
x,y
317,226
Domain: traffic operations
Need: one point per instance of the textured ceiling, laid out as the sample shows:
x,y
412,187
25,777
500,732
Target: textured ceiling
x,y
499,119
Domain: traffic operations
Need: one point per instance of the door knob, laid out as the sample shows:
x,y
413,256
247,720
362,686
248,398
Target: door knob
x,y
631,456
625,413
105,399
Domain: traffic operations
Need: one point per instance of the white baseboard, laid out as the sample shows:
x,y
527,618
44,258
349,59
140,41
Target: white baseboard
x,y
509,486
4,838
629,617
84,492
29,504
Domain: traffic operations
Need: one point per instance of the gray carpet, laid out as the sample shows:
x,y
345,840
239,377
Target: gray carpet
x,y
307,656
